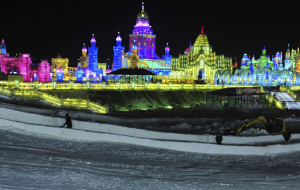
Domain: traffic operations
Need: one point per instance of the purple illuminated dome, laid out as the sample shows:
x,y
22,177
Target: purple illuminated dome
x,y
167,48
93,39
119,39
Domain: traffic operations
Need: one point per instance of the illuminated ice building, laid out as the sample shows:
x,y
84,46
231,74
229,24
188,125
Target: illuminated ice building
x,y
198,62
264,71
87,70
143,39
22,65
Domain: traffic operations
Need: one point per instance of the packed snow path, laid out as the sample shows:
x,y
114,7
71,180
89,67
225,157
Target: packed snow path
x,y
95,132
290,102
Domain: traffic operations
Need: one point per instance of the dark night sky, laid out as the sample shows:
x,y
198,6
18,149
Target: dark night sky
x,y
45,28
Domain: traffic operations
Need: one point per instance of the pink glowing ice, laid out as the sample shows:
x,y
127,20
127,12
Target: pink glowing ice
x,y
44,71
141,23
93,40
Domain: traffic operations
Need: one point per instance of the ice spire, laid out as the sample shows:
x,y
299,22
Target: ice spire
x,y
119,39
134,47
84,50
93,41
3,47
202,31
167,49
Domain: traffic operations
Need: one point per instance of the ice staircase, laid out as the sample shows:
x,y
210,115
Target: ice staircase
x,y
289,101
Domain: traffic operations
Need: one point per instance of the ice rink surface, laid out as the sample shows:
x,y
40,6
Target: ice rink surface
x,y
29,161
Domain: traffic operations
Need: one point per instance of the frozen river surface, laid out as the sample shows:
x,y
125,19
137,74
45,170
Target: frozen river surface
x,y
40,162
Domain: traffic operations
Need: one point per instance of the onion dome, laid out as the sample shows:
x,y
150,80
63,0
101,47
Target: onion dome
x,y
167,48
119,39
84,50
93,39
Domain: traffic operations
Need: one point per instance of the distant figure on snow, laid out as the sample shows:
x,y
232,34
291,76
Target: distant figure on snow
x,y
219,138
68,121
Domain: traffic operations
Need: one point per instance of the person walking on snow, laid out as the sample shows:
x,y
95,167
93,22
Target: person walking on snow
x,y
219,138
68,121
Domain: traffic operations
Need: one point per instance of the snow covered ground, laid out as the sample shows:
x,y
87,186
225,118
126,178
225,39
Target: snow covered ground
x,y
31,161
36,154
201,143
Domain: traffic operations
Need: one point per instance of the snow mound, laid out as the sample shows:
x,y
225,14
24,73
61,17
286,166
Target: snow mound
x,y
253,131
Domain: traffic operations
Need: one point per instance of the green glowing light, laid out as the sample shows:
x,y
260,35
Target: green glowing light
x,y
142,15
169,107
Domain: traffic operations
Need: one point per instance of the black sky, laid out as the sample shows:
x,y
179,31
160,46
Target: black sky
x,y
45,28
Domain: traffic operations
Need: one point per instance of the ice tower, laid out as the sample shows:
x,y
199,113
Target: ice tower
x,y
93,55
3,47
263,58
245,60
144,37
287,61
167,57
118,53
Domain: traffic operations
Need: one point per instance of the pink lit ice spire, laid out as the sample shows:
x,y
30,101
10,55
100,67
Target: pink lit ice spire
x,y
202,31
84,50
167,47
2,41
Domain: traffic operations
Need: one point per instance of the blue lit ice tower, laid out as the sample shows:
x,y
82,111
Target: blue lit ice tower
x,y
118,53
93,55
167,57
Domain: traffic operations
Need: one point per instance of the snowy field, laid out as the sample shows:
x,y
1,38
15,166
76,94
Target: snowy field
x,y
36,154
30,161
